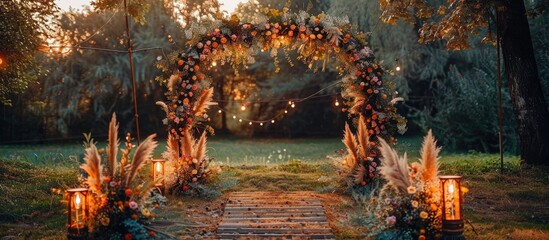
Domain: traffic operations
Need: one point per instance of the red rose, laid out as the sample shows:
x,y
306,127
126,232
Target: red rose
x,y
128,236
185,188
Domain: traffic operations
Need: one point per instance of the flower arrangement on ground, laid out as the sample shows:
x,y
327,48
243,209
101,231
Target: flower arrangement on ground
x,y
188,166
408,203
122,203
359,167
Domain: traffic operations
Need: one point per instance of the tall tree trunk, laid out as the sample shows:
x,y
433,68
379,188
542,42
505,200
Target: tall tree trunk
x,y
524,84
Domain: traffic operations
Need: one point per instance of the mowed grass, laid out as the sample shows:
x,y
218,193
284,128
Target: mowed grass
x,y
512,205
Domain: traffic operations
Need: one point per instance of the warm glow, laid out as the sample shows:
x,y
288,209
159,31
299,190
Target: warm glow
x,y
219,111
273,121
398,68
243,108
1,60
234,117
77,201
158,167
451,188
285,111
336,103
214,63
293,105
250,123
260,124
240,120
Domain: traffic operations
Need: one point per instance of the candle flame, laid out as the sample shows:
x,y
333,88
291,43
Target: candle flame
x,y
158,167
451,188
77,201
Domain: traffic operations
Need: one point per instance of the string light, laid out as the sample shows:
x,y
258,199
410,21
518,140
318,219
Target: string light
x,y
397,65
234,116
285,111
240,120
214,63
243,107
336,103
219,111
260,124
250,123
273,121
293,105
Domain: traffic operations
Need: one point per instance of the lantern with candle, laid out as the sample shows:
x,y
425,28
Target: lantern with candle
x,y
451,200
77,213
158,171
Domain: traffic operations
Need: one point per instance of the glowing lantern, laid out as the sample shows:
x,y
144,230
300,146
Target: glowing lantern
x,y
77,213
158,171
451,200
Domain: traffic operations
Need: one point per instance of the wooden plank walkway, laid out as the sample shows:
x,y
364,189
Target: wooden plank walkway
x,y
274,215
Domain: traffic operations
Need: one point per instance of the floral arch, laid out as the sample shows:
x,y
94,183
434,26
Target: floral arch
x,y
317,39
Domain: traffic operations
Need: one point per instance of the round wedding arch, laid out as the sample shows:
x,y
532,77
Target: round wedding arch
x,y
316,39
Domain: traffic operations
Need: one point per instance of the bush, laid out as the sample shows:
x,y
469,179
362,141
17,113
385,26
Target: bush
x,y
465,114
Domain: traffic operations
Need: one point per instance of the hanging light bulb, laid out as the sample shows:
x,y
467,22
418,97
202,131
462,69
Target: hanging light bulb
x,y
260,124
214,63
240,120
273,121
285,111
250,123
336,103
219,111
234,116
243,107
397,65
289,102
293,105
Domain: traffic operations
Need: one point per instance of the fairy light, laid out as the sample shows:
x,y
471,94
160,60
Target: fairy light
x,y
336,103
251,123
397,65
234,116
261,124
214,63
219,111
285,111
273,121
240,120
293,105
243,107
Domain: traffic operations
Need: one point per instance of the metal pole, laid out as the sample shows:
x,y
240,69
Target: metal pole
x,y
500,114
130,51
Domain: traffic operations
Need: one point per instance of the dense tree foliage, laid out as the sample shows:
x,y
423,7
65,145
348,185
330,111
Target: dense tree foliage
x,y
24,27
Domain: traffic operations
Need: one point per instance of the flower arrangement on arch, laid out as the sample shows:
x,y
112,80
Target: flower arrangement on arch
x,y
122,203
408,205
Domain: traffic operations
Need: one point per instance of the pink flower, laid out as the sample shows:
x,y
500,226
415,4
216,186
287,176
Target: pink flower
x,y
234,37
133,205
391,220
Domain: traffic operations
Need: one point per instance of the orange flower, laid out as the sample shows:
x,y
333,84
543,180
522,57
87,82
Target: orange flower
x,y
196,67
215,44
106,179
194,87
223,40
152,234
317,20
128,192
312,36
292,27
134,216
319,36
370,70
369,91
186,101
180,62
421,237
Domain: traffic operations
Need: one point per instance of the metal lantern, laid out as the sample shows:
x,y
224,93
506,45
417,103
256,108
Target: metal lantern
x,y
452,214
77,213
158,171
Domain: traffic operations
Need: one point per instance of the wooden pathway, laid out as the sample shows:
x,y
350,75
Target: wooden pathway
x,y
274,215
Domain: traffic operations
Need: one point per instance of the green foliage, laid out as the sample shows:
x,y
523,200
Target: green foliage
x,y
465,115
24,26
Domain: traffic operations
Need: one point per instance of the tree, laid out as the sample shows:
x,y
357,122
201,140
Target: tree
x,y
455,21
23,28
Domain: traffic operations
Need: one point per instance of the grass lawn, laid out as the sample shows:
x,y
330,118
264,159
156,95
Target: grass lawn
x,y
512,205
